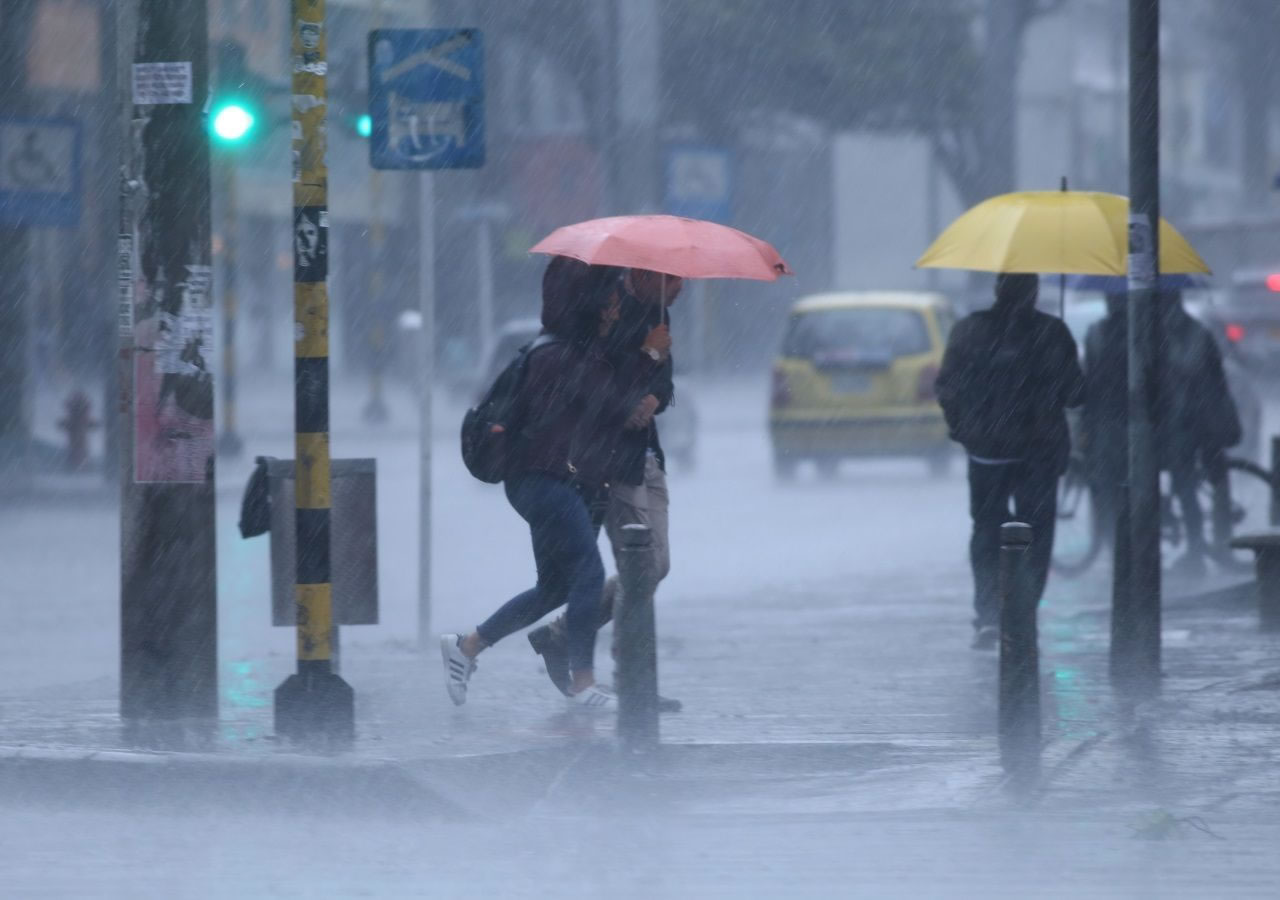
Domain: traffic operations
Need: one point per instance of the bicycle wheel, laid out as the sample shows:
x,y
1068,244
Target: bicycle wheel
x,y
1078,538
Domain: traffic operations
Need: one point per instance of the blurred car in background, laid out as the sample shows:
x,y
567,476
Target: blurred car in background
x,y
1246,320
855,378
1083,310
677,425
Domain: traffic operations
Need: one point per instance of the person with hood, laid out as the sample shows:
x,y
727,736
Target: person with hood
x,y
1196,420
640,347
1008,375
571,408
1104,420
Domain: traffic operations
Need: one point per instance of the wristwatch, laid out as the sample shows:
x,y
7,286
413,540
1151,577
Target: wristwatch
x,y
653,354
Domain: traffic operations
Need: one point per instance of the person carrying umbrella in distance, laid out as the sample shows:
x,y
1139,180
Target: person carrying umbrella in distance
x,y
1009,373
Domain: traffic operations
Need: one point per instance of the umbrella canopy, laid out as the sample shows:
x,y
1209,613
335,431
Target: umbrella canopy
x,y
690,248
1118,284
1076,232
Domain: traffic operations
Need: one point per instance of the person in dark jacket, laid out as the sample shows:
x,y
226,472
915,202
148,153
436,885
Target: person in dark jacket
x,y
1197,422
1196,419
640,348
571,409
1008,375
1105,417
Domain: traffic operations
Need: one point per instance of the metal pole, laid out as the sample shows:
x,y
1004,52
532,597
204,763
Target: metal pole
x,y
1275,481
637,657
484,293
1139,670
375,410
229,442
1019,656
168,597
427,355
314,705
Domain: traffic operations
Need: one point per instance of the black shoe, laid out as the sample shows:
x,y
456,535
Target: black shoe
x,y
554,656
669,705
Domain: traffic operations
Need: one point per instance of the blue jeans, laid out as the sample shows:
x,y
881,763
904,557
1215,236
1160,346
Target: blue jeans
x,y
570,571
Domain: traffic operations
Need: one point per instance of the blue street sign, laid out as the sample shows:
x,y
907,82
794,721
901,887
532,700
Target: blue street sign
x,y
426,98
699,182
40,172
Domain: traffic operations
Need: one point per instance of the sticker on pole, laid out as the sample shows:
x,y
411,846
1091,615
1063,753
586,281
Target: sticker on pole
x,y
160,83
426,98
1142,257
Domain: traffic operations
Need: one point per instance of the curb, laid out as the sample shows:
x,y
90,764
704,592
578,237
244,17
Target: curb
x,y
285,783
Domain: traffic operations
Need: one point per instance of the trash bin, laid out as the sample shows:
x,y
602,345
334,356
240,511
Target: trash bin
x,y
353,539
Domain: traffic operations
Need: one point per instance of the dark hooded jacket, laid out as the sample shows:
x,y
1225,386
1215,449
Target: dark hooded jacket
x,y
645,376
1195,411
573,401
1007,378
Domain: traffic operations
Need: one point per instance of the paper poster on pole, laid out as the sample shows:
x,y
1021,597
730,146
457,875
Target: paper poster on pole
x,y
1142,258
173,387
158,83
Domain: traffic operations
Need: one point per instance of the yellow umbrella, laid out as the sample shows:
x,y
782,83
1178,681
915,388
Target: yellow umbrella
x,y
1072,232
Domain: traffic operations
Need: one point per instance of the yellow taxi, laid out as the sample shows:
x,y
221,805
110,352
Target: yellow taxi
x,y
855,378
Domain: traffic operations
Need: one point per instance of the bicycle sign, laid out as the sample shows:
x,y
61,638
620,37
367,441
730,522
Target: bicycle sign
x,y
426,98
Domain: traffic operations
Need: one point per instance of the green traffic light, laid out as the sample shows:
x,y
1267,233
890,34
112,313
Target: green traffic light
x,y
364,125
232,122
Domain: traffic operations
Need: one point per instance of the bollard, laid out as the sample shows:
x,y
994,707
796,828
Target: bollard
x,y
636,674
1275,481
1019,656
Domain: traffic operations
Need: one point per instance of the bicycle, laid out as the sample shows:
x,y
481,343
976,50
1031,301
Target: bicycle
x,y
1081,534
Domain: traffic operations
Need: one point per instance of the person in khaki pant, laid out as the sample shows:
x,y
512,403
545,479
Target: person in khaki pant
x,y
638,492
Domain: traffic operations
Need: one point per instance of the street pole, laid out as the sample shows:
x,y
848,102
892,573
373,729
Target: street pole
x,y
427,374
484,285
1135,660
375,410
168,598
314,705
15,335
229,442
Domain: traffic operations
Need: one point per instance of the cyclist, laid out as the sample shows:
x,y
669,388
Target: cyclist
x,y
1196,420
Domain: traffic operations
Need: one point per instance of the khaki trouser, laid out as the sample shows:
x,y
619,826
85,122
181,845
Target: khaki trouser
x,y
634,504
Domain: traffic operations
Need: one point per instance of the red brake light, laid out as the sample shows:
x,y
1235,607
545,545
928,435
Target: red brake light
x,y
1273,282
1235,333
781,390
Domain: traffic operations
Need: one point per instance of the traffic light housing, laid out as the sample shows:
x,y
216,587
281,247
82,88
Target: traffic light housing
x,y
237,99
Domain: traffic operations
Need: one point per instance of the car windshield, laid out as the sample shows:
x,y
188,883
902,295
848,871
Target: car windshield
x,y
863,330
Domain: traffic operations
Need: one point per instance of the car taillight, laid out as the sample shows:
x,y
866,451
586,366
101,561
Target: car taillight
x,y
781,390
1235,333
925,387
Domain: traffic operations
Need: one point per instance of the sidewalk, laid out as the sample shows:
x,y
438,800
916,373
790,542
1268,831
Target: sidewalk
x,y
817,703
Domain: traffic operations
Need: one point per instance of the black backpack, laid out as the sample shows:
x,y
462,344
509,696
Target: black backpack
x,y
489,454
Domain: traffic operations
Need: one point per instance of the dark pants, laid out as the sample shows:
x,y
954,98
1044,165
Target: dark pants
x,y
570,571
1034,491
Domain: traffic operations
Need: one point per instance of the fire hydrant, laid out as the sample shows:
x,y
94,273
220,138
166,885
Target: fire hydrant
x,y
77,423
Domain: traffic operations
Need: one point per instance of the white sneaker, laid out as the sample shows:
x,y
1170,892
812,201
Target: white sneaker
x,y
597,698
457,668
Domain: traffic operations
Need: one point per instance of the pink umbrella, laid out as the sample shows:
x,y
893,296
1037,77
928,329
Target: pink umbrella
x,y
690,248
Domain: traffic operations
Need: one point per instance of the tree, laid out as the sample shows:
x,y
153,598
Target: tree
x,y
1246,29
946,69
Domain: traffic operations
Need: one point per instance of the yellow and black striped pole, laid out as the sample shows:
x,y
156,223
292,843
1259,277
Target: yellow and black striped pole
x,y
314,705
